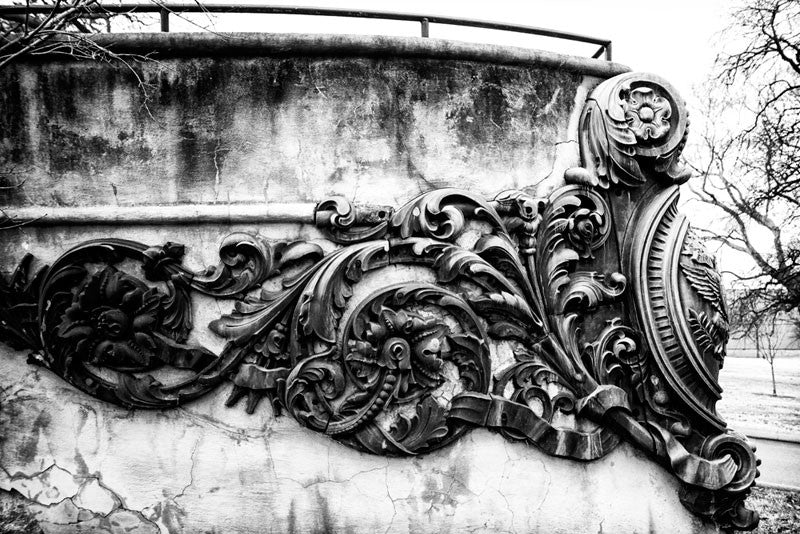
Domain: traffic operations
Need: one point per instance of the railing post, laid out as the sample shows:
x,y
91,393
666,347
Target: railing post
x,y
164,20
424,27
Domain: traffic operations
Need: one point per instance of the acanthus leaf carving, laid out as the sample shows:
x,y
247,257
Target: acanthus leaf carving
x,y
19,306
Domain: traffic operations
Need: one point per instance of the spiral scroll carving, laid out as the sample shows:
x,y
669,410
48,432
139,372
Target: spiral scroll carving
x,y
405,352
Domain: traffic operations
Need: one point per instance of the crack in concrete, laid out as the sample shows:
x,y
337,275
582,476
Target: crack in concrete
x,y
19,475
193,460
206,420
82,481
391,499
319,482
549,485
504,476
217,179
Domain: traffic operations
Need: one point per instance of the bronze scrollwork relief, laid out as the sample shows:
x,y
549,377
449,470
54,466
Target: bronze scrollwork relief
x,y
610,307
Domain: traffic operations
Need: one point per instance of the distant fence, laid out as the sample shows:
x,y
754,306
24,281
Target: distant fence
x,y
751,353
784,339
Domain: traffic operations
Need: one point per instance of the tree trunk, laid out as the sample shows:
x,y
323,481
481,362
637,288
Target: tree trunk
x,y
772,369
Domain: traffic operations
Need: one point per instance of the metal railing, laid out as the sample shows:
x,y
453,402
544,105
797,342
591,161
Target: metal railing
x,y
165,9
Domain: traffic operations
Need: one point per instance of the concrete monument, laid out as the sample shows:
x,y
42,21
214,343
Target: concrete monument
x,y
441,268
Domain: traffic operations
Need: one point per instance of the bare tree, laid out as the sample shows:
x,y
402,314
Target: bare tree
x,y
752,176
768,342
769,331
39,33
60,27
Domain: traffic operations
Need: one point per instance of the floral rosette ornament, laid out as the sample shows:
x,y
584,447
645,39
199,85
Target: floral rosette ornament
x,y
633,128
584,228
113,322
647,114
402,342
110,321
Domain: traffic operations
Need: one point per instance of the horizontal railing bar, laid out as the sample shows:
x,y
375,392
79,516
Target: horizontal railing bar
x,y
197,7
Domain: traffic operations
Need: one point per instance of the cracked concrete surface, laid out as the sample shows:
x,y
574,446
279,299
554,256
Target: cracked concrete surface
x,y
262,129
81,465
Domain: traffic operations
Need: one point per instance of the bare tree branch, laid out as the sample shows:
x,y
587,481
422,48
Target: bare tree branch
x,y
752,176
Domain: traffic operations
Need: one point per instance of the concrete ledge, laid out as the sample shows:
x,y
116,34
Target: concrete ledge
x,y
321,45
178,214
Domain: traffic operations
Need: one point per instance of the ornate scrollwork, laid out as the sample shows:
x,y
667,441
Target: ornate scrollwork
x,y
19,299
616,356
633,127
347,223
615,320
405,351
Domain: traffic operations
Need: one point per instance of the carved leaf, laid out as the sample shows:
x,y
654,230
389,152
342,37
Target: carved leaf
x,y
587,290
441,214
707,283
710,336
349,224
19,307
254,317
177,310
508,315
322,301
427,425
455,262
247,261
499,252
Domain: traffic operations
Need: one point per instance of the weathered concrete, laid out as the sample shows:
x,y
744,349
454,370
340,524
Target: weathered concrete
x,y
290,120
287,128
207,468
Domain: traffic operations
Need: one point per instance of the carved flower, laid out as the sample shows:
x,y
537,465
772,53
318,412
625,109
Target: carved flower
x,y
583,228
111,320
156,259
402,341
647,114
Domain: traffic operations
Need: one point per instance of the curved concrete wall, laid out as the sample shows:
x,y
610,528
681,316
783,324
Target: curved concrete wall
x,y
292,125
235,130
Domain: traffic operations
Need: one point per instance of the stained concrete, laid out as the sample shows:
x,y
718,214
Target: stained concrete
x,y
284,125
207,468
266,129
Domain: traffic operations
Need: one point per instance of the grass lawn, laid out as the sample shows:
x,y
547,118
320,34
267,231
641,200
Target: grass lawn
x,y
747,399
779,510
